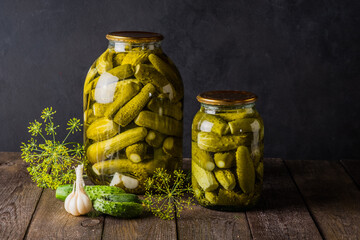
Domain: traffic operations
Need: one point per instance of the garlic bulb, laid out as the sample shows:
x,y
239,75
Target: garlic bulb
x,y
77,202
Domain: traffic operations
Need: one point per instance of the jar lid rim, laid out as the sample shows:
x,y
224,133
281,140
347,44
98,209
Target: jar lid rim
x,y
226,97
134,36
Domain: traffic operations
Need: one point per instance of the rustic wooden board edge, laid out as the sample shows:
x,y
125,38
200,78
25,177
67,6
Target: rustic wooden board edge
x,y
19,196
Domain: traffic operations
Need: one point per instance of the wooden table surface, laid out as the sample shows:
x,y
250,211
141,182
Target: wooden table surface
x,y
302,199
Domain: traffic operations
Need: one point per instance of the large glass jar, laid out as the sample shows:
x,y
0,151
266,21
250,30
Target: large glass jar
x,y
133,111
227,151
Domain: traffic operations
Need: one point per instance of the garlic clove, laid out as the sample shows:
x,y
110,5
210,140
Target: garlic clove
x,y
73,206
129,182
116,179
83,205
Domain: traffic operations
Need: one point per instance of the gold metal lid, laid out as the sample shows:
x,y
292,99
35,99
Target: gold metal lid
x,y
135,36
226,97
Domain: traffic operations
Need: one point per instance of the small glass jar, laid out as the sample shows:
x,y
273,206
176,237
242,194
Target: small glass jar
x,y
133,112
227,151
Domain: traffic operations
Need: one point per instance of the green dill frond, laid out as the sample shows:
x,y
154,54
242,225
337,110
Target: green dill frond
x,y
165,193
50,161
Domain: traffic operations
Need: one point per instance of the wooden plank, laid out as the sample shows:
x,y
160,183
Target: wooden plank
x,y
352,167
202,223
331,196
51,221
281,213
146,227
18,196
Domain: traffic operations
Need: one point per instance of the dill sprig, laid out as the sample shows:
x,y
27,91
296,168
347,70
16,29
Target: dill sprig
x,y
165,193
51,162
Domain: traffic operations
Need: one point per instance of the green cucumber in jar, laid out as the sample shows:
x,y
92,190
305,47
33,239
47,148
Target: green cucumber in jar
x,y
163,106
224,159
136,152
245,170
127,91
202,158
154,138
162,124
212,123
214,143
132,109
99,151
244,126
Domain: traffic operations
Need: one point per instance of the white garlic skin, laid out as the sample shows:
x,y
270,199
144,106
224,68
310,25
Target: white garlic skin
x,y
77,202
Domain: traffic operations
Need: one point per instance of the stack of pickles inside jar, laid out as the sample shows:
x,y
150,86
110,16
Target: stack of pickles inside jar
x,y
227,150
133,111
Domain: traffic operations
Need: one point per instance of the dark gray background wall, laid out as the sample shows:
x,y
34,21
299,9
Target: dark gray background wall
x,y
301,57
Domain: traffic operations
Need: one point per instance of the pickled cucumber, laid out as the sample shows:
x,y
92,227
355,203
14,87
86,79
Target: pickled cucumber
x,y
256,155
245,170
238,114
89,117
135,57
214,143
99,151
122,72
164,107
127,91
204,178
170,74
147,74
99,109
144,168
244,125
154,138
226,179
131,109
90,76
211,123
136,152
162,124
173,146
202,158
224,160
211,197
118,58
102,129
228,197
104,62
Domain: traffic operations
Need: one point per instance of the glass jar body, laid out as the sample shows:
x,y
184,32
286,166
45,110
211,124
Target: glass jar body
x,y
133,111
227,156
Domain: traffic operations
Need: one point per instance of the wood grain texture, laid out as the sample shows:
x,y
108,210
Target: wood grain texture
x,y
147,227
203,223
51,221
352,166
331,196
18,196
281,213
